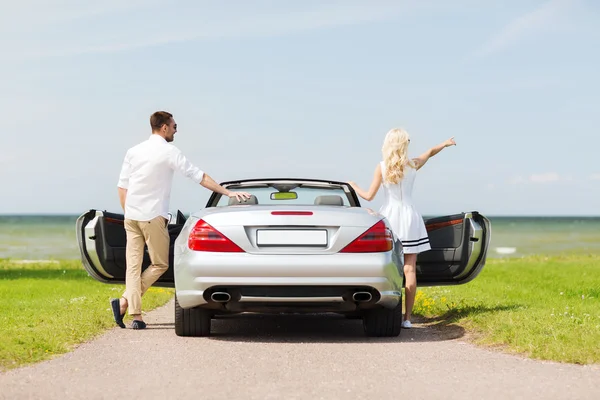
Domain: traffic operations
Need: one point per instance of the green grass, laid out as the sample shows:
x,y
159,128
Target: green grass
x,y
47,309
543,307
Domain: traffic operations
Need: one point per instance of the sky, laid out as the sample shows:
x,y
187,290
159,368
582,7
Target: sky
x,y
304,89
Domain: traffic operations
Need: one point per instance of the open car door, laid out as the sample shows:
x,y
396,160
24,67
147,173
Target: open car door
x,y
459,245
102,239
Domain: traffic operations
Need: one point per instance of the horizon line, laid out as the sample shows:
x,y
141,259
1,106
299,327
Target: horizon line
x,y
62,214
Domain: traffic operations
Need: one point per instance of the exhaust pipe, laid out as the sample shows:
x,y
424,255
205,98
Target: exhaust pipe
x,y
362,297
220,297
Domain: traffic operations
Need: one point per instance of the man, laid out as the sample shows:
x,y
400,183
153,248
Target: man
x,y
144,191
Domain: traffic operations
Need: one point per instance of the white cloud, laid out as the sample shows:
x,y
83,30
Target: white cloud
x,y
528,24
595,177
545,178
548,177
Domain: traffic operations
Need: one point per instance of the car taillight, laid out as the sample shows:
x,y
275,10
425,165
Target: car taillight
x,y
291,213
376,239
204,237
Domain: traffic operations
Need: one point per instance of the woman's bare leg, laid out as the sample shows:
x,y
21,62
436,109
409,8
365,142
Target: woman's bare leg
x,y
410,284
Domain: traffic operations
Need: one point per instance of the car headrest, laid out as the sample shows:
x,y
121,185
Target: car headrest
x,y
329,200
234,201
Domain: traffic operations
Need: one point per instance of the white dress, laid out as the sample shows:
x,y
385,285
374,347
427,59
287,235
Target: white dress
x,y
398,208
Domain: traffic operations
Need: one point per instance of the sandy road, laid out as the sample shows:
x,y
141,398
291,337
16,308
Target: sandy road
x,y
293,357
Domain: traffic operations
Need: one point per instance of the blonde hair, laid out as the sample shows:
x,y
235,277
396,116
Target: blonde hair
x,y
395,155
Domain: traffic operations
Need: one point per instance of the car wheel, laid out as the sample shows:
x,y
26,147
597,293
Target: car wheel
x,y
383,322
191,321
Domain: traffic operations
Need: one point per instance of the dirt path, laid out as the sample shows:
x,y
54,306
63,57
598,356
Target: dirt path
x,y
292,357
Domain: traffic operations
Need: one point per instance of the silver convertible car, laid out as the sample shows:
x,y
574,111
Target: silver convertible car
x,y
296,245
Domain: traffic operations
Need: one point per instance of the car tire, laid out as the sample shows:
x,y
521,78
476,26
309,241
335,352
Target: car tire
x,y
383,322
192,321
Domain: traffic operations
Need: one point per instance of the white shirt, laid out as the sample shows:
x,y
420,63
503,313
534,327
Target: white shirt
x,y
147,174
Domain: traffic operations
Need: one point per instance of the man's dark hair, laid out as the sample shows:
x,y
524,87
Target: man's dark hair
x,y
160,118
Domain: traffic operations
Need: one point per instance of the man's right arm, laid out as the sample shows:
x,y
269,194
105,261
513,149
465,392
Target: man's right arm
x,y
210,184
180,163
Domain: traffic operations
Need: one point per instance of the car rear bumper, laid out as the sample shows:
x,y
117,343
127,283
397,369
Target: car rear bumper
x,y
310,282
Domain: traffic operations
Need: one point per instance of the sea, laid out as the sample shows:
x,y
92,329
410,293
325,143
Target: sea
x,y
52,237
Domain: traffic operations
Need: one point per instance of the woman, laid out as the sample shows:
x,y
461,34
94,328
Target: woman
x,y
397,172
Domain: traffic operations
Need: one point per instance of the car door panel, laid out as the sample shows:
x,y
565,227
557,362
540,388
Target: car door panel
x,y
102,241
459,245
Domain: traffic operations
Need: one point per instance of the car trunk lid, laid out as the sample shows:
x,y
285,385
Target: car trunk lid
x,y
291,230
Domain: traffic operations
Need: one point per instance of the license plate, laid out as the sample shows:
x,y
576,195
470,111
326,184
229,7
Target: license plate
x,y
290,237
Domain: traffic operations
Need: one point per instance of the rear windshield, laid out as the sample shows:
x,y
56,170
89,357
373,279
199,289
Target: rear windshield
x,y
303,195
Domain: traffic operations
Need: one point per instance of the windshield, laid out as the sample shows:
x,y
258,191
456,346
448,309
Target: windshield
x,y
289,194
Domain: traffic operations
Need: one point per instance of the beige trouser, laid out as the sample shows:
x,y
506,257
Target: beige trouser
x,y
154,233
